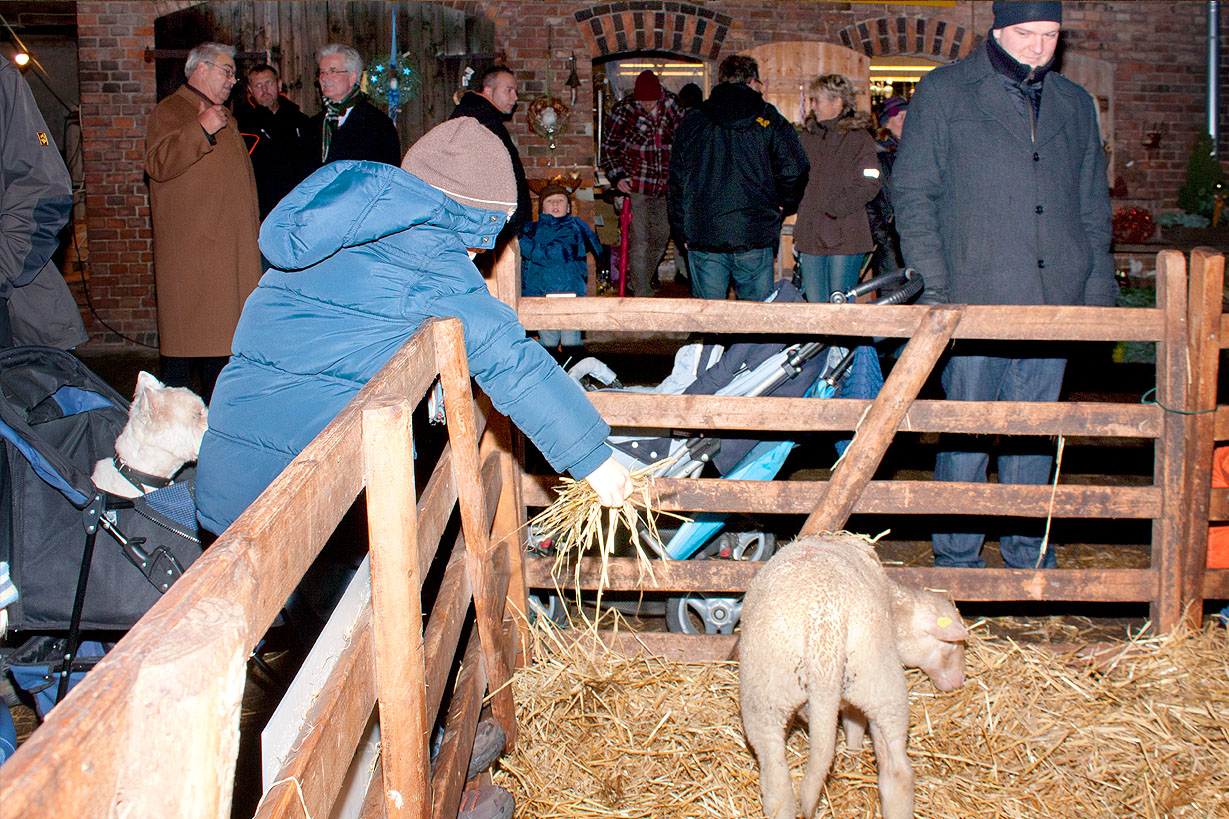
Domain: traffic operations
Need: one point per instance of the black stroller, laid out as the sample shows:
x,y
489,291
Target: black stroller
x,y
57,418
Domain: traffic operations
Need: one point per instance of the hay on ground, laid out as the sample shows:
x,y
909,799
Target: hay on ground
x,y
1143,733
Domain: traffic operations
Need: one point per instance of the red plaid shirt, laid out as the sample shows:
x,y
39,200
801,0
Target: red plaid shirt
x,y
636,145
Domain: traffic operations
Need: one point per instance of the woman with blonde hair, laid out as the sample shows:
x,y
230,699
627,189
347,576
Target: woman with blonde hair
x,y
833,233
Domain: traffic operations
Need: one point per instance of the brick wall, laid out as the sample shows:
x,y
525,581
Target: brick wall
x,y
1158,50
117,94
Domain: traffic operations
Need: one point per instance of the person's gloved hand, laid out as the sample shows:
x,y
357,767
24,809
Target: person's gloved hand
x,y
611,481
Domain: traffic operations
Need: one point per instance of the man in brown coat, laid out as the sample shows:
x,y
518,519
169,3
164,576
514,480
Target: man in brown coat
x,y
202,197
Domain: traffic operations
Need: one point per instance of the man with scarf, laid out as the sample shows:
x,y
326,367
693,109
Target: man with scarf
x,y
349,127
1001,198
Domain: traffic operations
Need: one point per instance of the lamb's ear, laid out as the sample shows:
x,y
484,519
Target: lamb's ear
x,y
946,628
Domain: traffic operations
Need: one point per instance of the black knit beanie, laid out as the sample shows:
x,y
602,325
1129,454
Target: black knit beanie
x,y
1014,12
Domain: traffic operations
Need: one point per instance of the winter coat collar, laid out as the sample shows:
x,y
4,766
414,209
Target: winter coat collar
x,y
733,105
349,203
475,105
982,81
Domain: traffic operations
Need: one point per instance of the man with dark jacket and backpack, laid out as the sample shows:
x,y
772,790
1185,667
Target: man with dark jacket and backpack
x,y
737,170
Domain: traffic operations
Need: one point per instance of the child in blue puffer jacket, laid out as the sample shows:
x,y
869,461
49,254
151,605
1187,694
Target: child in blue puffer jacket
x,y
553,251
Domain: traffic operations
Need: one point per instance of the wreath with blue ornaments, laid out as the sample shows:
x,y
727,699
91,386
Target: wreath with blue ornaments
x,y
400,80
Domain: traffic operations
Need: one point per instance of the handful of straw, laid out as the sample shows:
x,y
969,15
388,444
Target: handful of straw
x,y
578,523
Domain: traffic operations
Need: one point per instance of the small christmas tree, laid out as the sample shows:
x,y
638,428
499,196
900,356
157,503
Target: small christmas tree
x,y
1203,176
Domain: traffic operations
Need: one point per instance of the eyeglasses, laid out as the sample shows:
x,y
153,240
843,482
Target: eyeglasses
x,y
228,70
332,73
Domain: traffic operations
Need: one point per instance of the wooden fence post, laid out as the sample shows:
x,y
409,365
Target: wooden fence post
x,y
1169,530
396,599
1207,274
187,690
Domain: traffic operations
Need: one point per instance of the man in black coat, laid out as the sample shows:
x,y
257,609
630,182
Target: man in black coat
x,y
276,132
493,106
1001,198
736,171
349,127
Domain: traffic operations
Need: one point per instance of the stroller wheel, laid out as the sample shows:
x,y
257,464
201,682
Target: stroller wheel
x,y
702,614
550,606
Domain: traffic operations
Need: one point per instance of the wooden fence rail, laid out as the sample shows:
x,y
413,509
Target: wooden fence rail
x,y
154,729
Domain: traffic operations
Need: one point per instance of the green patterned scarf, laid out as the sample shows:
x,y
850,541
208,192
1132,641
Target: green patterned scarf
x,y
333,112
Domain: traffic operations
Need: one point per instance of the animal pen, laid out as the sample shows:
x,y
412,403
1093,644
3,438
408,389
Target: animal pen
x,y
154,729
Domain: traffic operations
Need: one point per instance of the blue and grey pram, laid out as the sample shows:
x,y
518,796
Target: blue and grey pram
x,y
812,369
57,418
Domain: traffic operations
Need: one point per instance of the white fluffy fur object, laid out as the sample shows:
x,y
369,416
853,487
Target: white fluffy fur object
x,y
164,430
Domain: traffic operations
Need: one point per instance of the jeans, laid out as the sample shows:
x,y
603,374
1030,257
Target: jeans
x,y
750,270
821,275
550,339
992,378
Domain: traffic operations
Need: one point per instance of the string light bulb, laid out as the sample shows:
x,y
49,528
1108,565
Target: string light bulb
x,y
22,59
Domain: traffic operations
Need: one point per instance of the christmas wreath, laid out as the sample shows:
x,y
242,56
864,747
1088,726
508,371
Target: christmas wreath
x,y
383,79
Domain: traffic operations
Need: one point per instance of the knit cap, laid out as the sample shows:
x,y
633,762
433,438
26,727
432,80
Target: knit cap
x,y
892,106
648,87
1014,12
465,161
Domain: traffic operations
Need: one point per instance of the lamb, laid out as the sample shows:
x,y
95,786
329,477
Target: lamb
x,y
822,625
164,431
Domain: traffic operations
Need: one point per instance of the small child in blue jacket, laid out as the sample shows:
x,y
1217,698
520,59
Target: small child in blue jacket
x,y
553,251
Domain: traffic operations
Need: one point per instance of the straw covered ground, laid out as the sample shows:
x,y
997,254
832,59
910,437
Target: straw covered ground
x,y
1143,731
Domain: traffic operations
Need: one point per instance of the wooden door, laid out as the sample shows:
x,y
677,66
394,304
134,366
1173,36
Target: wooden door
x,y
788,68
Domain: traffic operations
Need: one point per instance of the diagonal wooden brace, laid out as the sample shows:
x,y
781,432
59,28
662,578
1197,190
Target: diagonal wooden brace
x,y
878,428
462,435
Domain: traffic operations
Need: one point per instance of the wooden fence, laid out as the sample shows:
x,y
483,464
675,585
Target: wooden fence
x,y
154,729
1185,330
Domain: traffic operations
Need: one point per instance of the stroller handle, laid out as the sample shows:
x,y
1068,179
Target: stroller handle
x,y
912,286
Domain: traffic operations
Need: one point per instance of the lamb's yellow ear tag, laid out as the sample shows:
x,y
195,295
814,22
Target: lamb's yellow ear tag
x,y
943,622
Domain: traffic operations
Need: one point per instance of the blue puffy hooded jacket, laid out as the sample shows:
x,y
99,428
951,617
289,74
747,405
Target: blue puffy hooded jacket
x,y
362,254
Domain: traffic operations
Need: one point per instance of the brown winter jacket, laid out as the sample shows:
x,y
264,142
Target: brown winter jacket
x,y
845,176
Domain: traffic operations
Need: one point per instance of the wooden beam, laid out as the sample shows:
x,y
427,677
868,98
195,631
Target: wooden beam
x,y
875,433
731,577
396,580
1169,530
891,498
1216,584
721,412
1003,322
1207,286
312,776
459,406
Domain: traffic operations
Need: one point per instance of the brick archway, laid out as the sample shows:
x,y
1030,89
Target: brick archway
x,y
683,29
918,36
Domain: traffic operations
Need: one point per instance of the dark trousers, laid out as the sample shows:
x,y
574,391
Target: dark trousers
x,y
197,373
992,378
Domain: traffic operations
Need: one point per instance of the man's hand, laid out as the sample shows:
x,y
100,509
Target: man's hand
x,y
624,185
612,482
212,118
